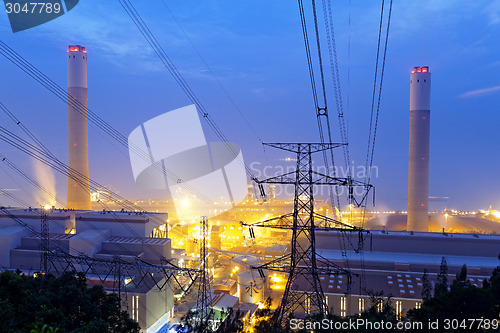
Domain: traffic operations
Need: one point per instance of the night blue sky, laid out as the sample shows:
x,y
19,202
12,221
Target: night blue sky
x,y
256,51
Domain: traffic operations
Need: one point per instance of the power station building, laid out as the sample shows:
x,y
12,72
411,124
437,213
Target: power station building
x,y
78,137
418,165
99,235
393,262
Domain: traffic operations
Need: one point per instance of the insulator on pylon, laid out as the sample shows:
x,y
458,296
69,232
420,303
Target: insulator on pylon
x,y
252,234
261,273
262,192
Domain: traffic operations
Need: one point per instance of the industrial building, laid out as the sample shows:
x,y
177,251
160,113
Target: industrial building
x,y
393,262
100,235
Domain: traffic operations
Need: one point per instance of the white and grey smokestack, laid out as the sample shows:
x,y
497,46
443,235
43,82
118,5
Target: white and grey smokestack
x,y
418,167
78,191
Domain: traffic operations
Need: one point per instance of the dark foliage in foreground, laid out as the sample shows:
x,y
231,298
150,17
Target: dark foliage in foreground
x,y
461,302
64,304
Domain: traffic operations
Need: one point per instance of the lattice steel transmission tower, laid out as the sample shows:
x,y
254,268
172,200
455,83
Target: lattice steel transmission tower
x,y
303,292
44,241
204,295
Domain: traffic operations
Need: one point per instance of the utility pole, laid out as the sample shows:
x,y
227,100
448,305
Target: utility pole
x,y
44,241
204,295
303,293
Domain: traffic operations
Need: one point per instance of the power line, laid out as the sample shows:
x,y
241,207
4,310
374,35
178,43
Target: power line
x,y
380,89
167,62
231,100
59,166
332,49
46,157
374,122
43,152
32,181
81,109
321,112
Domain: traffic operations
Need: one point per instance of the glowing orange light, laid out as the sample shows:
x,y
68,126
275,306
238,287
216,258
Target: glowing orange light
x,y
419,70
77,49
425,69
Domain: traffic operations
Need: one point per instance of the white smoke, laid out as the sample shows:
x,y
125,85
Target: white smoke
x,y
383,219
45,177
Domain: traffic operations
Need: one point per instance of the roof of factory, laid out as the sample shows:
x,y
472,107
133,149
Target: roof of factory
x,y
119,212
223,301
139,240
412,258
35,213
455,223
276,247
53,236
396,284
116,216
429,234
114,239
227,283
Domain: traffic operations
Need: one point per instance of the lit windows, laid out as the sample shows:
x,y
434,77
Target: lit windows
x,y
361,305
343,306
399,309
135,308
380,305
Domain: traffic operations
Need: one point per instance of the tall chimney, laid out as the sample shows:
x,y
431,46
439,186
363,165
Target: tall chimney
x,y
418,166
78,191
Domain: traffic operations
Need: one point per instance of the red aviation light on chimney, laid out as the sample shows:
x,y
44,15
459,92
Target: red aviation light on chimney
x,y
76,48
425,69
416,69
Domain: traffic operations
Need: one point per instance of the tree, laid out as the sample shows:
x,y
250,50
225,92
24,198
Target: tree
x,y
48,304
263,322
495,290
462,302
461,277
426,286
381,308
226,321
231,323
442,279
44,329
